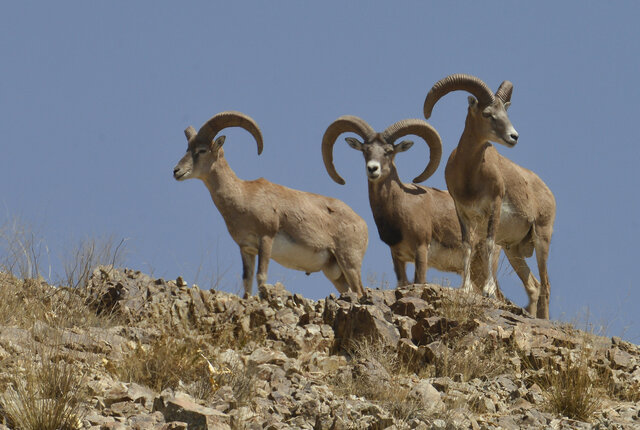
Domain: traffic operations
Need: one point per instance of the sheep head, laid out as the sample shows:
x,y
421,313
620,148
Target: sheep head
x,y
204,149
379,149
487,111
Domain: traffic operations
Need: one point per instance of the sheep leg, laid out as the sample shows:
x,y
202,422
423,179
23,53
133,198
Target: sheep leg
x,y
466,286
248,266
494,270
542,242
333,273
340,284
420,276
264,255
531,284
478,269
489,288
400,267
350,268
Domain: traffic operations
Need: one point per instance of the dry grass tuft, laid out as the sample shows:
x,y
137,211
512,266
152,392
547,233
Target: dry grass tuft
x,y
165,363
465,362
571,391
187,364
385,388
23,302
22,251
89,254
47,396
571,386
461,306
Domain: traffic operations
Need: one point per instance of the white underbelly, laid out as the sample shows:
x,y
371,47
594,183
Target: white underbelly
x,y
445,259
513,226
297,256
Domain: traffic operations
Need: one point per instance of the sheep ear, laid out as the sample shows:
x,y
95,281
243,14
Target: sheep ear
x,y
354,143
403,146
190,133
472,101
217,144
506,105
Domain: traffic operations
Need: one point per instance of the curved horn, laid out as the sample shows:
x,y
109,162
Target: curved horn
x,y
504,92
344,124
455,82
222,120
422,129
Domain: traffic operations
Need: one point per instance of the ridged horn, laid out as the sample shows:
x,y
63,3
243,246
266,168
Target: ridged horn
x,y
344,124
422,129
455,82
504,92
226,119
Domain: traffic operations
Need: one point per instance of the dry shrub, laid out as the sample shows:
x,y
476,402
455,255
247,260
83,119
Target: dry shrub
x,y
23,302
48,396
89,254
22,250
461,306
230,335
165,363
487,358
187,364
570,389
390,394
216,375
241,379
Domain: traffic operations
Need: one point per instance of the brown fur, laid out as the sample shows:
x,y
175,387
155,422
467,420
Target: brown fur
x,y
418,223
500,202
300,230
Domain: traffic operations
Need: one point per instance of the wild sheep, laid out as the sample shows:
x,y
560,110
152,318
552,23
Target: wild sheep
x,y
496,199
299,230
418,223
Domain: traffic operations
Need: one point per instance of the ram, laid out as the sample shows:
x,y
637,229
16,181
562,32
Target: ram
x,y
497,200
299,230
419,224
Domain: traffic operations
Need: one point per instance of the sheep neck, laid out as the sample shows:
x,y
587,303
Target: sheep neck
x,y
385,199
224,186
471,147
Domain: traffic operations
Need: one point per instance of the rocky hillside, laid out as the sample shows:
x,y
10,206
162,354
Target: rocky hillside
x,y
132,352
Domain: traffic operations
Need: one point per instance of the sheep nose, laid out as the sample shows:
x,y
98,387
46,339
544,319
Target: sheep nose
x,y
372,168
175,170
514,136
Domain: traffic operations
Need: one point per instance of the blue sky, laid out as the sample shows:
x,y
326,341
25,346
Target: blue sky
x,y
94,98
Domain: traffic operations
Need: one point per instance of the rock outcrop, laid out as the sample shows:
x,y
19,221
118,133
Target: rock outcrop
x,y
164,355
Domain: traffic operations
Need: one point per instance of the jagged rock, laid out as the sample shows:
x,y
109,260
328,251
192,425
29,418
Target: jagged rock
x,y
363,322
182,408
621,359
435,350
371,374
409,353
265,356
426,330
283,363
427,397
413,307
